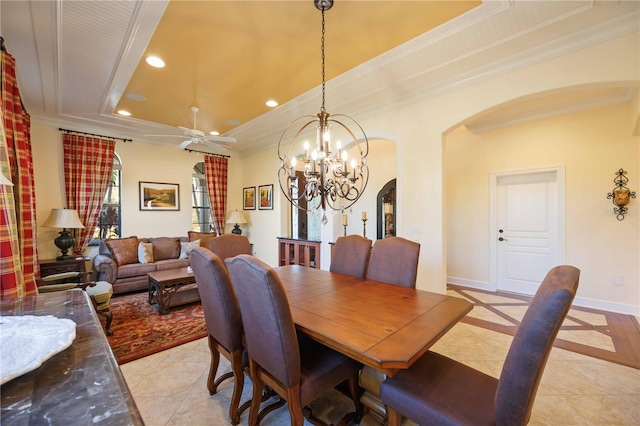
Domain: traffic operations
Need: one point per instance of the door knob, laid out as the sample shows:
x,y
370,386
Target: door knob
x,y
502,239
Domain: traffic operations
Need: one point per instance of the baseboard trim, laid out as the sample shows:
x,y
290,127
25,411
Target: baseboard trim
x,y
479,285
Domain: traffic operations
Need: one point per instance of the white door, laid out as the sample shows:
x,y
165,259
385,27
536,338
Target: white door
x,y
527,228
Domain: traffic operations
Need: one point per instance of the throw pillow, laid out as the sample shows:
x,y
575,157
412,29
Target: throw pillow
x,y
165,248
185,248
123,250
204,238
145,253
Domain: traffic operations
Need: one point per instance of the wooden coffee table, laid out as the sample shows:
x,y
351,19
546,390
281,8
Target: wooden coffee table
x,y
172,287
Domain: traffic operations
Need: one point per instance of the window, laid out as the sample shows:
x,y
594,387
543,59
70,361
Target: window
x,y
201,219
109,221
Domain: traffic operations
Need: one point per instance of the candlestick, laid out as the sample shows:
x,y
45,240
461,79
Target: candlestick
x,y
364,224
364,215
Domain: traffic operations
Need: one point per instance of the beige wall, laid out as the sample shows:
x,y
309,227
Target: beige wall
x,y
140,162
419,131
592,145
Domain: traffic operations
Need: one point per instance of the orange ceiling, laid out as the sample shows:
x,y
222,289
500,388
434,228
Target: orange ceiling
x,y
229,57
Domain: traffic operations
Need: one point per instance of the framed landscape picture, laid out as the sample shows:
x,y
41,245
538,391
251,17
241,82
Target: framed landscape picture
x,y
266,197
159,196
249,198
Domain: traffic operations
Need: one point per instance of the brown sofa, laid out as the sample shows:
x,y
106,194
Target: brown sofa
x,y
124,264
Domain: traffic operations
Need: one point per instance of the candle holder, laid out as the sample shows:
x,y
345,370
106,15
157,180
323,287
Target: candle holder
x,y
345,230
364,228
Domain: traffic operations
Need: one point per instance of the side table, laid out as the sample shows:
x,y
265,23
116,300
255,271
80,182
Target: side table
x,y
53,266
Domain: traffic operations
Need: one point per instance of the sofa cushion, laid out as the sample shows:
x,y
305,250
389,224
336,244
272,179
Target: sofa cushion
x,y
165,248
145,252
135,270
186,247
123,251
204,237
163,265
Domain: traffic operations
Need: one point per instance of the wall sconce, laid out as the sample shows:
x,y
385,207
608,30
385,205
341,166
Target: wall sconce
x,y
621,195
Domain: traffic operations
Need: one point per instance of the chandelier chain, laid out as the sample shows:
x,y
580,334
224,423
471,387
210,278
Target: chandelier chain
x,y
326,179
322,56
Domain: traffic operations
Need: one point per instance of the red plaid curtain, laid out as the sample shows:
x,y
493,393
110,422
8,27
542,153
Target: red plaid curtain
x,y
215,170
18,254
88,162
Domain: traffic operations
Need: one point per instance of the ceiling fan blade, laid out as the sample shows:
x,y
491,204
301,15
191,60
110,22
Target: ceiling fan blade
x,y
192,133
213,145
165,136
226,139
184,144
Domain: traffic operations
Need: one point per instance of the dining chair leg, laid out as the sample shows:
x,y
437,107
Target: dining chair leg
x,y
394,418
256,396
238,385
295,405
212,384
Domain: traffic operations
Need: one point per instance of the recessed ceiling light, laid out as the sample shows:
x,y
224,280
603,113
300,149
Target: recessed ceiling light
x,y
135,96
214,133
154,61
124,113
271,103
233,122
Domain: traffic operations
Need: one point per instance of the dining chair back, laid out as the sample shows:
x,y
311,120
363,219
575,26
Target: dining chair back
x,y
394,260
224,324
297,368
230,245
350,255
440,390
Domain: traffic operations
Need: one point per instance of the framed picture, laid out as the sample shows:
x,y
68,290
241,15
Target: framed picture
x,y
266,197
159,196
249,198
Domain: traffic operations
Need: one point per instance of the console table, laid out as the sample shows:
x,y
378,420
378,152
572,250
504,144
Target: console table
x,y
53,266
80,385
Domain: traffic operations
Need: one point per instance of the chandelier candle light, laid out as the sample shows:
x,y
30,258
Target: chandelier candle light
x,y
329,180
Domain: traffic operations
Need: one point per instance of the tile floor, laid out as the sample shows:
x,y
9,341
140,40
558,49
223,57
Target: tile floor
x,y
170,387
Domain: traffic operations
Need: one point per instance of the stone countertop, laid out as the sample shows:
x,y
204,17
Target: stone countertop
x,y
80,385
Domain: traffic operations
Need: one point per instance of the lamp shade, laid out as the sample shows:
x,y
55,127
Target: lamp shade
x,y
63,218
236,217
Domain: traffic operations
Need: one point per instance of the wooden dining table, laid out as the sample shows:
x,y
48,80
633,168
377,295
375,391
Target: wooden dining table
x,y
384,326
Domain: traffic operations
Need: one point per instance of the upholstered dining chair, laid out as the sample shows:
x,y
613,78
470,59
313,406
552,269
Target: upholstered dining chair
x,y
230,245
222,317
350,255
394,260
295,367
99,292
439,390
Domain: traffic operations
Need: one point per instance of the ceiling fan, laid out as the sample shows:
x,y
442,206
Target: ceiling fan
x,y
196,136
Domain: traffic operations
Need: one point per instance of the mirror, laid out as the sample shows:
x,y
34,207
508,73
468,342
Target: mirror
x,y
386,210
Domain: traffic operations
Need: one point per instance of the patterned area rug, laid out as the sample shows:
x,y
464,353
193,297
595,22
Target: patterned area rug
x,y
600,334
139,331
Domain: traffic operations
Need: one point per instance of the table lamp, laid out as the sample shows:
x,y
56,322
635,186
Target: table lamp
x,y
238,218
63,218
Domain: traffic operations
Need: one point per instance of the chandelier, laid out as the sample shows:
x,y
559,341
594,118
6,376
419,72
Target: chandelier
x,y
320,175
